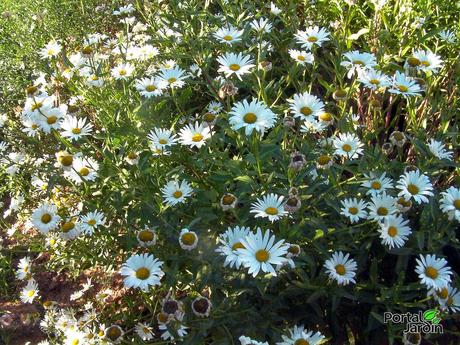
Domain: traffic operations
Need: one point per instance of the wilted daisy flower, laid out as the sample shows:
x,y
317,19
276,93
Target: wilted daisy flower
x,y
415,185
45,218
114,334
51,49
83,169
248,341
306,106
270,206
228,201
188,240
340,268
398,138
357,62
274,10
173,77
251,116
262,25
201,306
146,237
373,79
94,80
403,205
228,35
301,336
354,209
381,207
324,162
150,87
176,192
144,331
23,271
122,71
394,231
433,272
230,241
142,271
194,135
425,60
75,128
451,300
69,230
450,202
237,64
259,252
312,36
90,221
377,185
438,149
181,331
404,85
64,159
29,292
348,145
302,57
161,138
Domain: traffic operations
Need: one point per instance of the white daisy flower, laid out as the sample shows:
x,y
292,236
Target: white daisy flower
x,y
340,268
215,107
306,106
381,207
301,336
452,299
83,169
404,85
357,62
354,209
181,332
415,185
194,135
274,9
228,35
348,145
51,49
94,80
173,77
70,230
394,231
438,149
150,87
50,119
29,292
262,25
270,206
248,341
144,331
91,221
45,218
260,252
176,192
237,64
433,272
312,36
124,10
373,79
161,138
251,116
425,61
142,271
75,128
377,185
122,71
188,240
230,241
74,336
302,57
24,268
450,202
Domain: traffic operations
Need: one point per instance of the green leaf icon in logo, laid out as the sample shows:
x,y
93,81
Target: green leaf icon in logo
x,y
431,315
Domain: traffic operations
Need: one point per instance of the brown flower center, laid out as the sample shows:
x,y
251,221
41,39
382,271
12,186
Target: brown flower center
x,y
340,269
431,272
382,211
250,118
234,67
142,273
146,236
46,218
262,255
188,238
413,189
392,231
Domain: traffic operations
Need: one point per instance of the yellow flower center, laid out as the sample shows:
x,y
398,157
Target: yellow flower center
x,y
271,211
431,272
209,117
94,77
413,61
312,39
75,342
66,227
346,147
66,160
87,50
403,88
31,89
413,189
450,301
228,38
84,171
197,137
392,231
457,204
376,185
52,241
358,62
382,211
323,160
301,342
306,111
353,210
250,118
37,105
238,245
293,249
325,117
177,194
443,293
150,88
163,141
234,67
340,269
425,63
228,199
76,130
51,120
374,81
262,255
146,236
301,58
172,80
188,238
31,293
132,155
92,222
142,273
122,72
46,218
113,333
